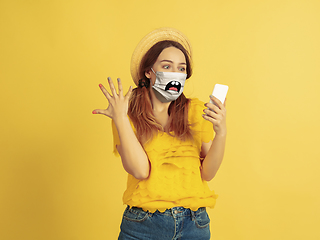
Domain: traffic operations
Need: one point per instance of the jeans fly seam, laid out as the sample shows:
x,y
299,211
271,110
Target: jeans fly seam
x,y
175,227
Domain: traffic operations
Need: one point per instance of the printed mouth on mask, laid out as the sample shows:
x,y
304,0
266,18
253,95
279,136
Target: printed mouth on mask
x,y
173,86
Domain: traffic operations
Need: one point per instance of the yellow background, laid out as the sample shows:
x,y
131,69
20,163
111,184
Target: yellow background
x,y
58,177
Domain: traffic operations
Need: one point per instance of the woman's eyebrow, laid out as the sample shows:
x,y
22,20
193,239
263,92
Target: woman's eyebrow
x,y
172,61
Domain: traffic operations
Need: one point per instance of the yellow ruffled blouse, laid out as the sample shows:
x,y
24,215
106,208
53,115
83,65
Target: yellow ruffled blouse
x,y
175,178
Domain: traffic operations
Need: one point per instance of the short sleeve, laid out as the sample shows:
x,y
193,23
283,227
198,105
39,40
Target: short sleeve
x,y
116,139
201,125
207,131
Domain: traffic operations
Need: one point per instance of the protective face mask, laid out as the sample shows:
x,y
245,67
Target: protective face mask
x,y
168,85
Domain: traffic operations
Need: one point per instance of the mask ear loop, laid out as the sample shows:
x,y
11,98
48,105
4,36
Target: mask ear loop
x,y
154,74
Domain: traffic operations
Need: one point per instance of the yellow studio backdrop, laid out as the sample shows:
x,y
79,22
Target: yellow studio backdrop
x,y
58,176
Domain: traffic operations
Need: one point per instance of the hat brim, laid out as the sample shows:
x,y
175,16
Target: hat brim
x,y
151,39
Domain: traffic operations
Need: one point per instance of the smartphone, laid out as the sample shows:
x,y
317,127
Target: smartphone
x,y
220,92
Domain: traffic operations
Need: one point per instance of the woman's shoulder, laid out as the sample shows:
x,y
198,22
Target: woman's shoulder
x,y
195,110
196,104
197,122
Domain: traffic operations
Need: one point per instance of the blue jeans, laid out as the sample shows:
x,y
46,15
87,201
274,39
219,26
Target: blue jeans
x,y
175,223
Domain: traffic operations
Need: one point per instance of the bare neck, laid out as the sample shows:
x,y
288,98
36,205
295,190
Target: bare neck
x,y
160,110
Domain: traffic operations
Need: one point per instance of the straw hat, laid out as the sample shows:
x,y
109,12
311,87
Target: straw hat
x,y
149,40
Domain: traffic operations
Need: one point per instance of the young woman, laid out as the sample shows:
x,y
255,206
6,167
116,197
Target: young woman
x,y
169,145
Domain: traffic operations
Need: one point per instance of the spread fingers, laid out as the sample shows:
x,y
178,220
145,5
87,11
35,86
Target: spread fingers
x,y
105,92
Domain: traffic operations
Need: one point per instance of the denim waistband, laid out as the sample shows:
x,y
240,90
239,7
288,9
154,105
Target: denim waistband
x,y
173,224
176,211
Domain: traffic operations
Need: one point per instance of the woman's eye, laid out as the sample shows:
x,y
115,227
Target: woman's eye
x,y
166,67
182,69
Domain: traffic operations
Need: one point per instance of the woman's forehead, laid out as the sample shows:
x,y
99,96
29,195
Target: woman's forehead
x,y
172,54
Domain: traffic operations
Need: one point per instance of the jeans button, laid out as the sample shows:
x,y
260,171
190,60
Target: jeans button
x,y
175,211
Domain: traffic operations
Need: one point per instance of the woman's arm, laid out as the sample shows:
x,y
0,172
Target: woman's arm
x,y
214,157
134,159
214,150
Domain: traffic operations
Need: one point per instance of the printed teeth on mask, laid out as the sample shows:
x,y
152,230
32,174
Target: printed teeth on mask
x,y
173,86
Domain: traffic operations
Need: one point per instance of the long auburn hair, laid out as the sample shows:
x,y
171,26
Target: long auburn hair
x,y
140,105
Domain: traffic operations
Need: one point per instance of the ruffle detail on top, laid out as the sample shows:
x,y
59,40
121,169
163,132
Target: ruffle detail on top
x,y
175,177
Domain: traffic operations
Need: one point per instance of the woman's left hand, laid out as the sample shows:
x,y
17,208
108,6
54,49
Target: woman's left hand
x,y
216,114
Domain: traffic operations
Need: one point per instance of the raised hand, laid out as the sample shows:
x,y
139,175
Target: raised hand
x,y
216,114
118,103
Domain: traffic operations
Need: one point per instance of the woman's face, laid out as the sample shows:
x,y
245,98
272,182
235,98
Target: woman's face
x,y
171,59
